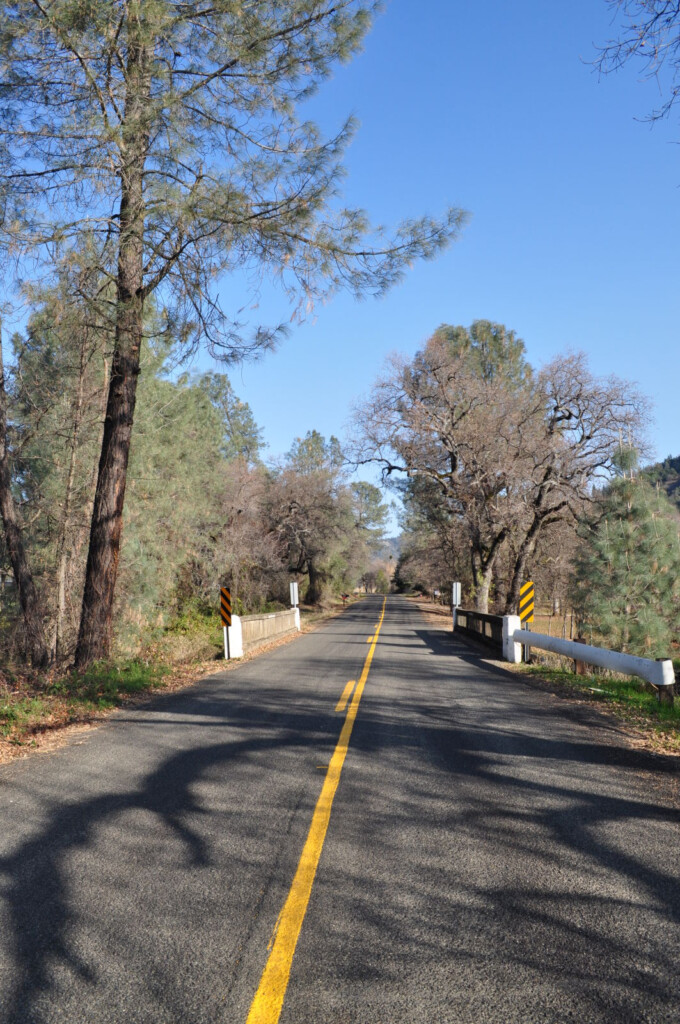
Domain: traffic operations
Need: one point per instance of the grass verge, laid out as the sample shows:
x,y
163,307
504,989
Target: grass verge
x,y
29,705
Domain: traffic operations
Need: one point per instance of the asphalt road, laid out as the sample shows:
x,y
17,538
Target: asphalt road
x,y
492,854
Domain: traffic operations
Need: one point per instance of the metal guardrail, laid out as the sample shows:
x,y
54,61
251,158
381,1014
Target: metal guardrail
x,y
660,674
480,626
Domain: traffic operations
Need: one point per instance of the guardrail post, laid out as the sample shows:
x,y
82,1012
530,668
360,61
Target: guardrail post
x,y
235,637
580,668
511,651
666,692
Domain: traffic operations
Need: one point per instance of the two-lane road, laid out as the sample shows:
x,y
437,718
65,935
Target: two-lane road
x,y
443,845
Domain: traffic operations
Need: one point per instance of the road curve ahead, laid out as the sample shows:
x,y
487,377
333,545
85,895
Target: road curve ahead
x,y
365,826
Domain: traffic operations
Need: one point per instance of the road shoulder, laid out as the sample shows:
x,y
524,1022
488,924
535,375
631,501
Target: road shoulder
x,y
637,733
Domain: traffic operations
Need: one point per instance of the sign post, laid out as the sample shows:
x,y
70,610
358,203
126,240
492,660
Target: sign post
x,y
294,600
225,613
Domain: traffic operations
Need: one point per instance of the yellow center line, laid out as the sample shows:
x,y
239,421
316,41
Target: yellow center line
x,y
268,1002
346,694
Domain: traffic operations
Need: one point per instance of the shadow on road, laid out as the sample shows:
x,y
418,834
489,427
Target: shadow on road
x,y
520,845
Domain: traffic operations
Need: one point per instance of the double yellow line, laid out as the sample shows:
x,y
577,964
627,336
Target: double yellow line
x,y
268,1002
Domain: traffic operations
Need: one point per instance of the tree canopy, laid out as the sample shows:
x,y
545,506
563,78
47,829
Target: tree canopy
x,y
150,147
649,37
627,579
173,128
494,453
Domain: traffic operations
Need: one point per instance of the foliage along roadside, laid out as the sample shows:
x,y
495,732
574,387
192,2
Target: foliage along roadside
x,y
31,704
202,508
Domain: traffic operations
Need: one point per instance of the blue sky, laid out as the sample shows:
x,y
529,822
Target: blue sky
x,y
574,207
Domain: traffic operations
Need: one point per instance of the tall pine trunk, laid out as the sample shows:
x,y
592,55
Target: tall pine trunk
x,y
94,638
62,552
67,543
36,647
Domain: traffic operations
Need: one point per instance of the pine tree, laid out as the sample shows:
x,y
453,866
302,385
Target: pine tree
x,y
161,143
190,432
627,589
57,388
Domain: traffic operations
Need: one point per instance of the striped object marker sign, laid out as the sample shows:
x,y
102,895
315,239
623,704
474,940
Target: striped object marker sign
x,y
225,606
526,602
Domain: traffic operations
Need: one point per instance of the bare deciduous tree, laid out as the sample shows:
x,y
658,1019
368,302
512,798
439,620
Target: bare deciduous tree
x,y
573,425
505,456
439,419
650,36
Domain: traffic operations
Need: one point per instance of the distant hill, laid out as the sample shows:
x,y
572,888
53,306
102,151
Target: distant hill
x,y
390,547
667,475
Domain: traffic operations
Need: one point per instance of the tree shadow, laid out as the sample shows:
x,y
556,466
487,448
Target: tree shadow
x,y
506,819
36,890
537,887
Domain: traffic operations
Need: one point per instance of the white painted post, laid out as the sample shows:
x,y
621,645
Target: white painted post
x,y
511,651
297,619
233,641
294,600
666,689
455,600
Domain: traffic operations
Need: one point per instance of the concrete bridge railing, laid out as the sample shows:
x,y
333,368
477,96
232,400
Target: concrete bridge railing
x,y
248,631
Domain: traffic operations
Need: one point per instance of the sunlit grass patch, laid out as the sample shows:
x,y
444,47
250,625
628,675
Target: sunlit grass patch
x,y
30,705
18,713
104,682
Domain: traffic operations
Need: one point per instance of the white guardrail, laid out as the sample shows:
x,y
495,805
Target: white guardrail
x,y
659,673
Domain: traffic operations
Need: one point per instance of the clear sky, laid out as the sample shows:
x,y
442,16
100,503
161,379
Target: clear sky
x,y
574,207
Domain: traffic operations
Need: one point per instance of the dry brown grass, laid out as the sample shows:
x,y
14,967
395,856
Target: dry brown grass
x,y
436,615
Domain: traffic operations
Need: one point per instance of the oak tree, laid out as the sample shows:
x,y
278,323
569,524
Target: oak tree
x,y
310,510
492,452
448,421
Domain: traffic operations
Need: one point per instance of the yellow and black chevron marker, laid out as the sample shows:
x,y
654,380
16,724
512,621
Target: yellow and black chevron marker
x,y
225,606
526,602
